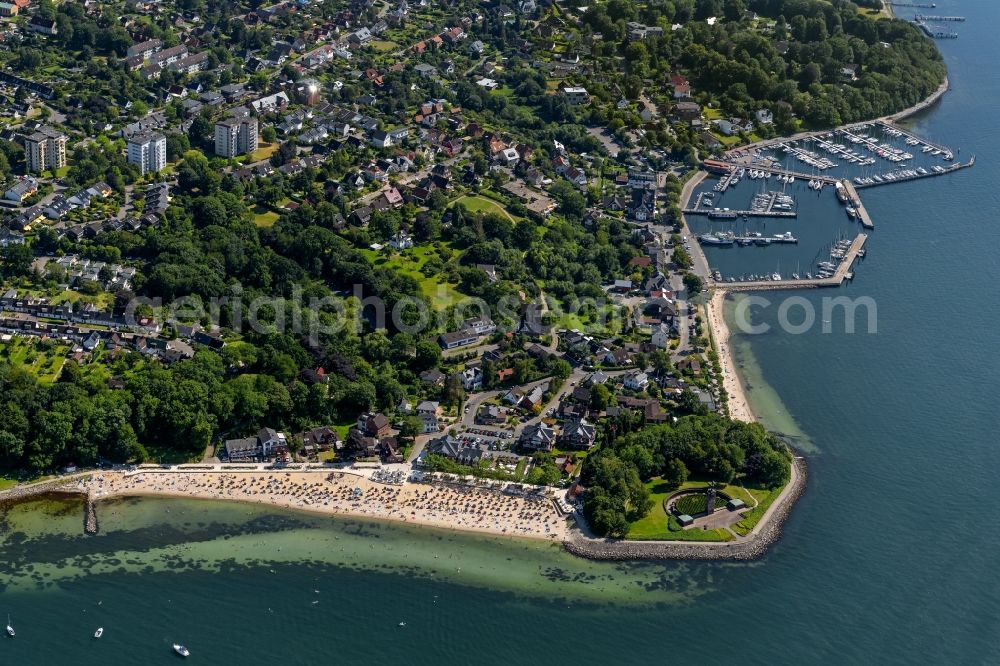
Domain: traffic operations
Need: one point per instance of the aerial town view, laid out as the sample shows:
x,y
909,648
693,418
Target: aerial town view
x,y
536,318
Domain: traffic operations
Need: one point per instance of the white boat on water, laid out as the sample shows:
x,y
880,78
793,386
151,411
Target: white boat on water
x,y
181,650
99,632
10,628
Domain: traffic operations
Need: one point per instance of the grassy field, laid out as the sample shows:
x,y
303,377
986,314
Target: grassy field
x,y
656,525
765,498
263,152
479,204
383,46
264,217
411,262
44,360
102,300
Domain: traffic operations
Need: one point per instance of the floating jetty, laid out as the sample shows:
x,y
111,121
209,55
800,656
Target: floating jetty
x,y
734,214
847,194
842,273
917,5
924,17
917,176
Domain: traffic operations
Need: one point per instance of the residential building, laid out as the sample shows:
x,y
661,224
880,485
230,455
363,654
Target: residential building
x,y
21,190
10,237
472,379
374,425
144,49
662,336
636,381
8,9
641,179
578,434
45,149
148,150
268,442
428,411
538,437
455,339
320,439
480,325
236,136
576,95
42,25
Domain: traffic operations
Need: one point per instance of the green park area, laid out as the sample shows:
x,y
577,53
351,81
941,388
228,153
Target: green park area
x,y
657,525
481,204
424,264
42,358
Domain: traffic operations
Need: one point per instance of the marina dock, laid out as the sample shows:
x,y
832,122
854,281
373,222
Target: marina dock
x,y
917,176
854,200
842,273
734,214
919,139
936,31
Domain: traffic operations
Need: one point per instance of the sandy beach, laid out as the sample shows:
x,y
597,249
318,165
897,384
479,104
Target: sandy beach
x,y
739,408
455,507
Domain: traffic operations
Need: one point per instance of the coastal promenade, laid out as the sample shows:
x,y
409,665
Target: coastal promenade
x,y
471,505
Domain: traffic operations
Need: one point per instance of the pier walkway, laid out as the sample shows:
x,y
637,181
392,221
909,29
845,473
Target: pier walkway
x,y
734,214
842,273
917,176
855,201
829,180
920,140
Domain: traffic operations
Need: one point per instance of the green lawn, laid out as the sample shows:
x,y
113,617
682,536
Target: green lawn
x,y
480,204
656,526
411,262
383,46
263,152
42,359
7,483
766,498
263,217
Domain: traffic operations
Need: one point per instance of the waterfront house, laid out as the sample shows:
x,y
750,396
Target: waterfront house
x,y
538,437
374,425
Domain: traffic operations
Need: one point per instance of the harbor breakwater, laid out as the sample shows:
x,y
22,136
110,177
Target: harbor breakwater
x,y
55,487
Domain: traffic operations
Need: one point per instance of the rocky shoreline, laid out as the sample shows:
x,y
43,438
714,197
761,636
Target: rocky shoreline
x,y
22,492
752,547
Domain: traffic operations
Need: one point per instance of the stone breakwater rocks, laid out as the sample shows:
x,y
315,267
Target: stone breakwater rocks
x,y
749,548
23,492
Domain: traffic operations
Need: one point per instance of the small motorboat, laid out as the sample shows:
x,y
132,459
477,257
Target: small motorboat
x,y
10,628
181,650
99,632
